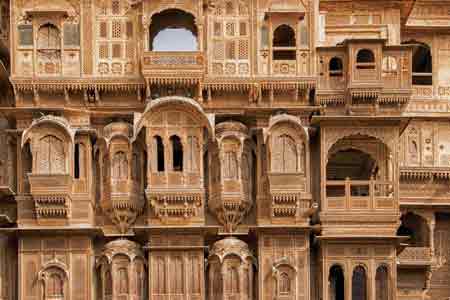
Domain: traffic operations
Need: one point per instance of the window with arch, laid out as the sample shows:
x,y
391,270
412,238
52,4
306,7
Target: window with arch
x,y
336,67
284,154
177,153
123,281
284,284
389,65
359,283
54,286
422,66
79,161
173,30
49,50
336,283
158,153
365,59
382,283
52,156
230,168
120,166
48,37
284,43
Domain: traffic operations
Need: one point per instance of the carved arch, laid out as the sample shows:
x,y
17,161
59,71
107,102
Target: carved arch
x,y
51,121
388,137
54,277
288,145
175,103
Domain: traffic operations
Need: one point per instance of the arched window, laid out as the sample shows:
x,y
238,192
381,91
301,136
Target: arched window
x,y
158,152
123,281
336,283
48,37
382,283
335,67
284,37
359,284
173,30
284,284
422,67
230,168
217,282
54,286
389,65
365,59
177,153
284,159
52,157
79,161
120,166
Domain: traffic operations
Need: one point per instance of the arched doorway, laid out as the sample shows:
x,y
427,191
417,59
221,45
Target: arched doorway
x,y
336,283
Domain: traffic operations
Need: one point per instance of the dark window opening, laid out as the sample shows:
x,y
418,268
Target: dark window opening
x,y
284,36
365,59
351,163
284,55
335,67
422,66
382,283
336,283
173,30
359,284
177,153
159,153
416,228
77,161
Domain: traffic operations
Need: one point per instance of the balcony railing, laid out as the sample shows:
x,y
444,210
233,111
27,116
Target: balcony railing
x,y
416,256
359,195
172,60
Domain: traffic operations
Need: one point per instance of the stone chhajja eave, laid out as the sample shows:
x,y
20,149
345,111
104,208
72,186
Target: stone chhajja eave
x,y
55,84
265,83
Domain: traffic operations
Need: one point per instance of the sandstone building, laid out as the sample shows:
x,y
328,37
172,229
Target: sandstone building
x,y
224,149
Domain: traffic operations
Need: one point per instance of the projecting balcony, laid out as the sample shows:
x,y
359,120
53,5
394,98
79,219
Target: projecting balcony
x,y
350,195
51,194
289,197
168,67
415,256
365,75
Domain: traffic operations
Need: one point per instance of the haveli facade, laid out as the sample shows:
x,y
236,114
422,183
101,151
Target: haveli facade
x,y
224,149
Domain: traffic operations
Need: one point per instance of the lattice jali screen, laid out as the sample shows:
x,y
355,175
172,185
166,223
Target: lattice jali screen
x,y
230,35
115,38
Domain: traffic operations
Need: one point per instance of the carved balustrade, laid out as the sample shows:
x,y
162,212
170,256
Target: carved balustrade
x,y
173,67
359,195
416,256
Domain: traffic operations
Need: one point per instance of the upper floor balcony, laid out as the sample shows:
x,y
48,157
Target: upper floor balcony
x,y
364,76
